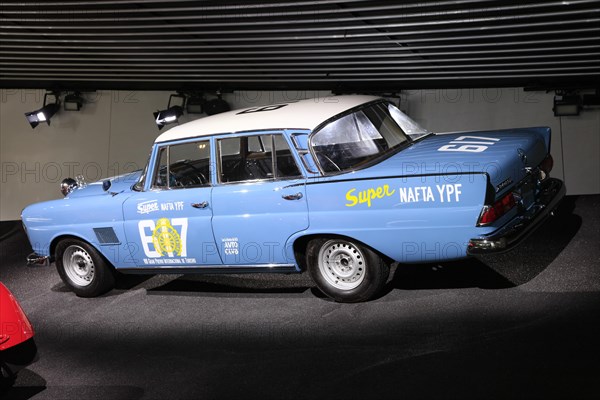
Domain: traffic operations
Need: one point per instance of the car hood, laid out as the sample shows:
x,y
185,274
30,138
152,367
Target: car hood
x,y
503,156
119,184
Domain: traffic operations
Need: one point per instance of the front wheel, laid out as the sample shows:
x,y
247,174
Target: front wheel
x,y
346,271
83,269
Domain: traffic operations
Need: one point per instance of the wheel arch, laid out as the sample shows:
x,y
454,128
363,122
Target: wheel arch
x,y
300,246
54,244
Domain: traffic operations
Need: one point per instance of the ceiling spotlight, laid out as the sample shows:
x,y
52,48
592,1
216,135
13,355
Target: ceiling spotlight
x,y
45,113
592,99
168,116
194,104
172,113
73,102
566,105
216,106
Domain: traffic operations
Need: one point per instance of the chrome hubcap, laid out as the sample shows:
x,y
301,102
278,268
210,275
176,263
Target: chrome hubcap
x,y
342,264
78,265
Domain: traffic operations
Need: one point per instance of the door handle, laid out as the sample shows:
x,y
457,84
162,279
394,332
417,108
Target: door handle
x,y
296,196
204,204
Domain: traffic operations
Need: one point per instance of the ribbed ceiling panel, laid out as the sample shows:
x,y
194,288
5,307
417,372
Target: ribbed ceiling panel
x,y
344,45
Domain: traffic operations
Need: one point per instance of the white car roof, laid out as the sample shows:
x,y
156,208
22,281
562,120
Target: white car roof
x,y
303,114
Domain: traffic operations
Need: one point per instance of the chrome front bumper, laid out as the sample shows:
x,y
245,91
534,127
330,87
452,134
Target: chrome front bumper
x,y
509,236
34,259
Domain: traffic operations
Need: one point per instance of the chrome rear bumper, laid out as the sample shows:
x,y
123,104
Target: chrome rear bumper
x,y
510,235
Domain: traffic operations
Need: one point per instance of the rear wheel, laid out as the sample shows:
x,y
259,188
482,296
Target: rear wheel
x,y
346,271
83,269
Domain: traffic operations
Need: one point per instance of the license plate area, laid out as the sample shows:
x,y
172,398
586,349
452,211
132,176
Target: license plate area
x,y
525,192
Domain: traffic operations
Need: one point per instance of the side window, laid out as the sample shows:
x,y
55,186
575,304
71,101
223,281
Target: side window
x,y
183,165
250,158
229,147
285,162
259,143
245,158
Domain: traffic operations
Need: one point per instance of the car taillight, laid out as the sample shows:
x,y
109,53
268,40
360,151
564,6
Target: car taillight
x,y
491,213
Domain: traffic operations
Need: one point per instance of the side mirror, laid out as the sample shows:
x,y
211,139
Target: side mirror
x,y
106,185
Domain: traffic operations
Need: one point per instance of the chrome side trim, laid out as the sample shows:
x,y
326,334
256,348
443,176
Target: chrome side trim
x,y
214,269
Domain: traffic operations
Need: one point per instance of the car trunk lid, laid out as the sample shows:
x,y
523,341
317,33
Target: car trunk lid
x,y
505,156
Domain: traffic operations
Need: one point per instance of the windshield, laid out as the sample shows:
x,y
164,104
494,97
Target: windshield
x,y
362,137
139,185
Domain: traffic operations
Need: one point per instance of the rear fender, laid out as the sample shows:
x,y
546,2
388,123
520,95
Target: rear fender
x,y
408,219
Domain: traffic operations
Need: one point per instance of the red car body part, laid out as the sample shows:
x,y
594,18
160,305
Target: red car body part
x,y
15,328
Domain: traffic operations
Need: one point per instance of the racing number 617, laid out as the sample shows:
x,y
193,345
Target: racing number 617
x,y
469,144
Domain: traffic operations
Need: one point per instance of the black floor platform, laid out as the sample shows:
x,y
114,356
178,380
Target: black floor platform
x,y
524,324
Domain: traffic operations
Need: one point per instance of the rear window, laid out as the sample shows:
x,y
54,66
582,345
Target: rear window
x,y
358,138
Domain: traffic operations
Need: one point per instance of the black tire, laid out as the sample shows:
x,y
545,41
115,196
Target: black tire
x,y
83,269
346,271
7,378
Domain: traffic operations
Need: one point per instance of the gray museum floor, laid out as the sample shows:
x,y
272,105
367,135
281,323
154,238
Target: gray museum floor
x,y
524,324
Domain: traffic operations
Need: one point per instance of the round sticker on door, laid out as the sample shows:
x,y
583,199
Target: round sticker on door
x,y
165,238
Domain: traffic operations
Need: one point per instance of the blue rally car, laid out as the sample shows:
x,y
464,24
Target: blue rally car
x,y
341,186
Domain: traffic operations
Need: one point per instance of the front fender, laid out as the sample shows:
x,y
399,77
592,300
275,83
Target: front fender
x,y
97,220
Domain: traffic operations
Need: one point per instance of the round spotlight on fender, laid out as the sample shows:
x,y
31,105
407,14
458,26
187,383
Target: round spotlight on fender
x,y
67,185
